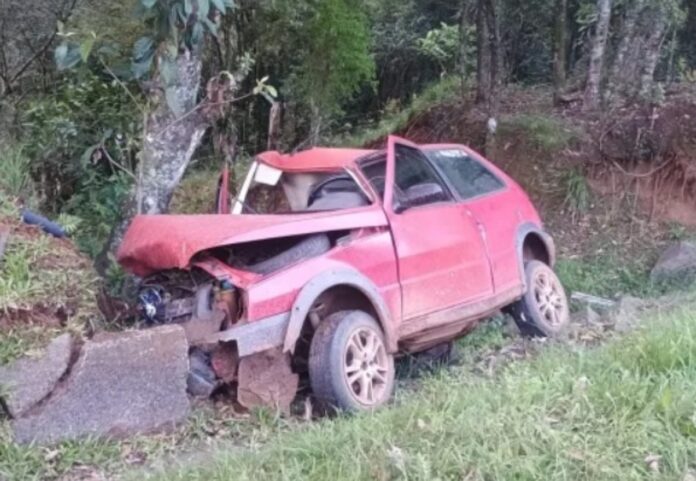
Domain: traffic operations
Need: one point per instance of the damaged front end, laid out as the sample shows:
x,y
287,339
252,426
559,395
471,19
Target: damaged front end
x,y
227,352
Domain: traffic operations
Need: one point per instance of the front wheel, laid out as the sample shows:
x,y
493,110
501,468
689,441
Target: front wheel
x,y
349,366
544,308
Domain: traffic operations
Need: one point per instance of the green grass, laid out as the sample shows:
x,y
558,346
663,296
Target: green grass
x,y
395,118
605,276
544,132
588,414
613,276
14,172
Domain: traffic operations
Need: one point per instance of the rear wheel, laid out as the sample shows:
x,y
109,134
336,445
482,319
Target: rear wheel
x,y
544,308
349,366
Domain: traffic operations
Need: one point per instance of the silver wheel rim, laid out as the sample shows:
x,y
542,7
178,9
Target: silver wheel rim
x,y
366,367
550,298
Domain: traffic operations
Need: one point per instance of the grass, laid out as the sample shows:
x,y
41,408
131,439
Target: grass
x,y
15,179
395,118
46,287
612,276
544,132
585,414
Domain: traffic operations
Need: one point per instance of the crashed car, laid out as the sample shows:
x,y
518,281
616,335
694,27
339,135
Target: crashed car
x,y
331,262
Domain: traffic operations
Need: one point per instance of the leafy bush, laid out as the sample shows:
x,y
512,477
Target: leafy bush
x,y
81,132
81,141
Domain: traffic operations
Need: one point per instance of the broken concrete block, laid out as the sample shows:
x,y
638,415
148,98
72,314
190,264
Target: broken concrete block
x,y
121,384
28,380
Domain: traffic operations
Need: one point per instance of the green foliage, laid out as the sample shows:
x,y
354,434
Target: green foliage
x,y
336,59
545,132
577,197
395,118
604,276
15,180
442,45
82,140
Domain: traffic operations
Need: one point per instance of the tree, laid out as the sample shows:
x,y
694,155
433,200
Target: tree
x,y
560,37
168,63
336,60
598,50
489,54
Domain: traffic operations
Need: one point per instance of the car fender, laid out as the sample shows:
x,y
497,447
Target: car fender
x,y
522,232
326,280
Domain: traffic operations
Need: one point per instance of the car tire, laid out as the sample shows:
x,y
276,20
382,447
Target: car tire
x,y
349,366
543,311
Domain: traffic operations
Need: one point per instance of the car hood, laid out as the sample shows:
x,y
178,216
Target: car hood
x,y
158,242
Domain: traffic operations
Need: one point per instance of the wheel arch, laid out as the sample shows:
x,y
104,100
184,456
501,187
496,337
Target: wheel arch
x,y
338,279
533,243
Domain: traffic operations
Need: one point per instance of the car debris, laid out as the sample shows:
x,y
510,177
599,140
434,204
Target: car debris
x,y
331,262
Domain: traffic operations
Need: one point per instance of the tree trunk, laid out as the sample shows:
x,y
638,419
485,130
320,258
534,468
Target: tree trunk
x,y
622,75
169,142
599,43
493,23
560,49
463,45
482,54
651,56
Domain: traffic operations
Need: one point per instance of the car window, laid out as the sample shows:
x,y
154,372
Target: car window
x,y
416,180
467,175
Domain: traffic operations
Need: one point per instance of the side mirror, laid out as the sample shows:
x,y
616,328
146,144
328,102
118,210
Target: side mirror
x,y
421,194
400,204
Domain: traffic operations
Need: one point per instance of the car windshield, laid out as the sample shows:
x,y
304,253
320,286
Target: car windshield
x,y
271,191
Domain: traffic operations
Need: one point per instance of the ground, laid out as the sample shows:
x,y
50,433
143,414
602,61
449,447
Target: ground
x,y
618,408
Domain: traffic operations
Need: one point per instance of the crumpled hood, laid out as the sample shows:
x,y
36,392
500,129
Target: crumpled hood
x,y
159,242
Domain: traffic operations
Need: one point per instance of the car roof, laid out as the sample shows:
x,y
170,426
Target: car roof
x,y
316,159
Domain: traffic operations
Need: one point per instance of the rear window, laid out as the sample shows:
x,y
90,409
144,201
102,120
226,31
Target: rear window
x,y
468,177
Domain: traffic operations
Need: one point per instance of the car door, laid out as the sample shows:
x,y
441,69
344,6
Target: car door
x,y
441,256
483,192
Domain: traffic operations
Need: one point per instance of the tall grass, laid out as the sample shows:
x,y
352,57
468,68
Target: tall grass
x,y
395,118
15,179
626,411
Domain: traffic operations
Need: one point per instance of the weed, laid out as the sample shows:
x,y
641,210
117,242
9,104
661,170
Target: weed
x,y
394,119
604,276
577,198
15,179
544,132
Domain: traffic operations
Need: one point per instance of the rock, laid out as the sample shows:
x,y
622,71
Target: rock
x,y
595,302
28,380
121,384
676,263
586,316
626,315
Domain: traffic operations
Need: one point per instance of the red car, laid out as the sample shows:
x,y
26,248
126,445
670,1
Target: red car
x,y
334,261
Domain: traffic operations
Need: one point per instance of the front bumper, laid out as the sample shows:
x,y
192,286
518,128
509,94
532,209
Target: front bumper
x,y
254,337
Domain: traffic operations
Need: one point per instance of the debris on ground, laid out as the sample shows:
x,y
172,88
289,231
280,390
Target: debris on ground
x,y
121,384
27,381
677,263
595,302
